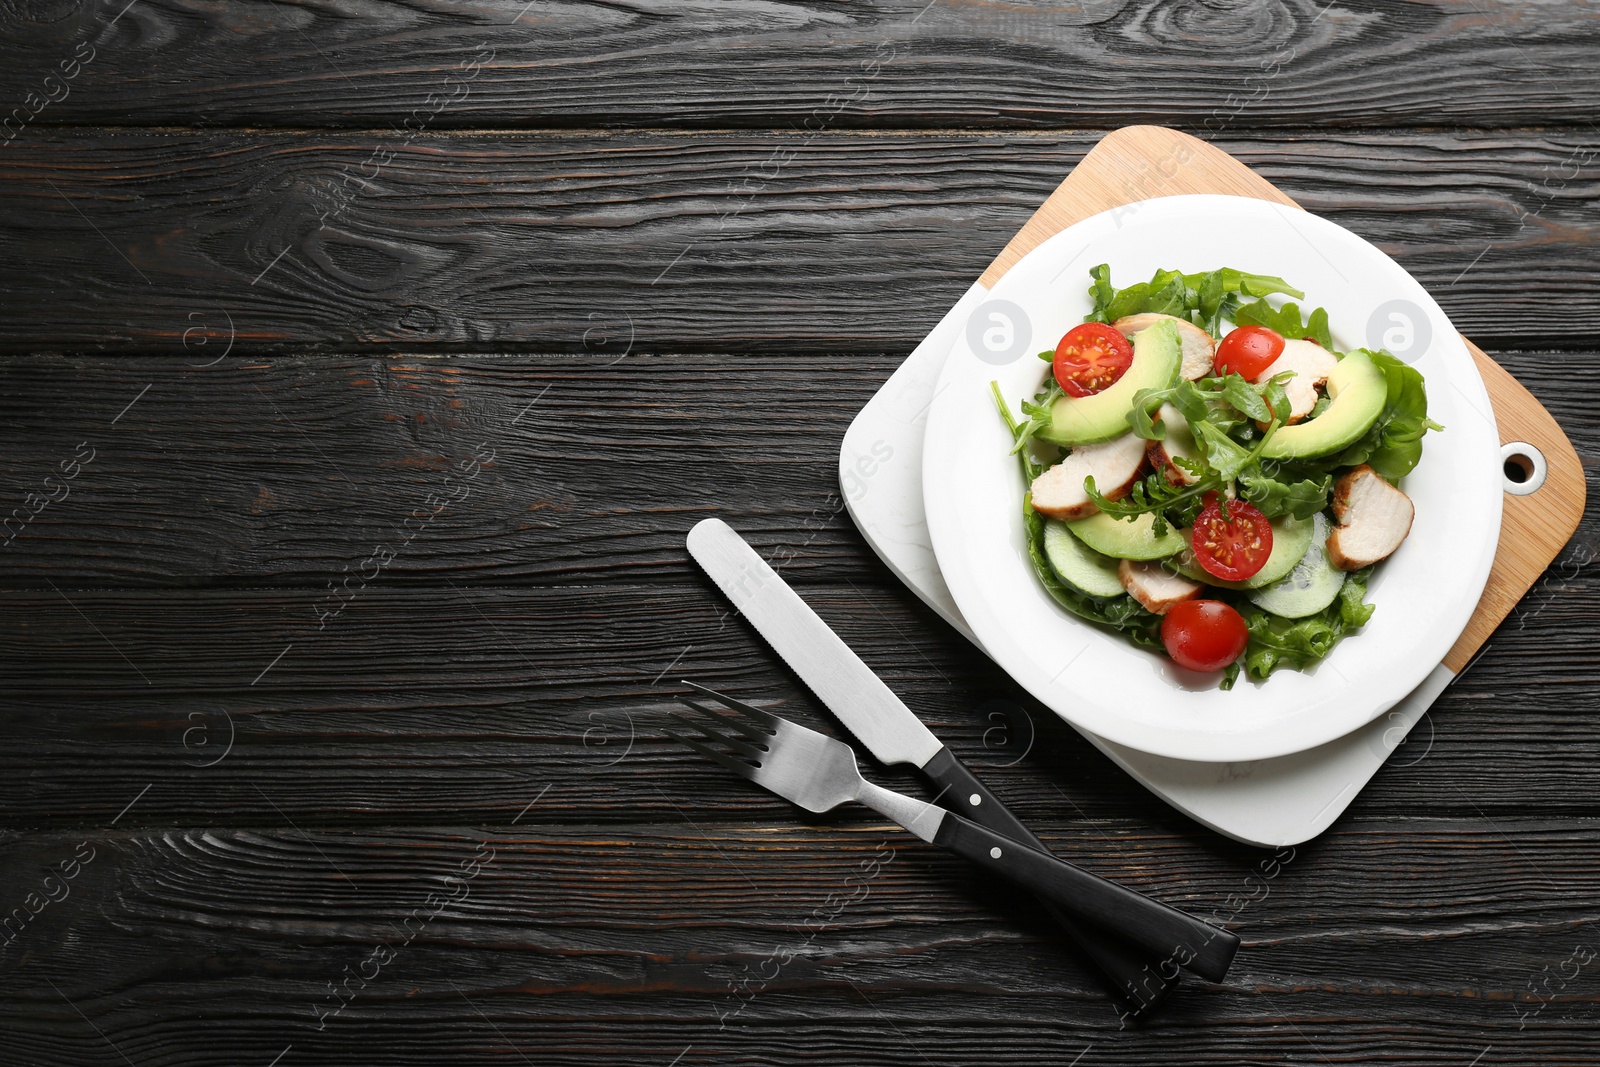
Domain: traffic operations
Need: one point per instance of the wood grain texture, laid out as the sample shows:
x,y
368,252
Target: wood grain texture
x,y
686,242
422,705
295,470
1125,166
236,937
896,63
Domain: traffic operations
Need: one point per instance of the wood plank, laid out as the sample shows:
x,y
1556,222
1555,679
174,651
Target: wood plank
x,y
443,706
351,888
900,63
296,470
683,242
1433,933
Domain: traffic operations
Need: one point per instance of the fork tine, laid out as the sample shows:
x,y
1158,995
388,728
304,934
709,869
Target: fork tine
x,y
738,767
764,718
749,752
754,733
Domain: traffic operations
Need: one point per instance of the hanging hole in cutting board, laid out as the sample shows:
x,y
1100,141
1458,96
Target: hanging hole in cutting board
x,y
1525,468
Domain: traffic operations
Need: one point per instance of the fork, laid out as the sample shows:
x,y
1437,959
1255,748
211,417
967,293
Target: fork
x,y
819,773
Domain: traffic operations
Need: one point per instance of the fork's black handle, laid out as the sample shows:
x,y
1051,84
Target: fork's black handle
x,y
1186,941
1138,977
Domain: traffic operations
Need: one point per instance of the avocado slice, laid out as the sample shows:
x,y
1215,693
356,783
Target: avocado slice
x,y
1127,539
1088,420
1357,393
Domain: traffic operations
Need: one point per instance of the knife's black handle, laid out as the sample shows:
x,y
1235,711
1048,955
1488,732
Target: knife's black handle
x,y
1140,980
1169,933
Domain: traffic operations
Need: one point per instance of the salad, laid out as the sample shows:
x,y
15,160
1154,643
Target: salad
x,y
1210,477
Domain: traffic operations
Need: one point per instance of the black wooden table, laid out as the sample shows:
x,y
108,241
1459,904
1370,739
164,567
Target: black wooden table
x,y
364,366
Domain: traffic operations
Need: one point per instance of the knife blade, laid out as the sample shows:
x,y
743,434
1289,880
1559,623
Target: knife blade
x,y
890,730
878,718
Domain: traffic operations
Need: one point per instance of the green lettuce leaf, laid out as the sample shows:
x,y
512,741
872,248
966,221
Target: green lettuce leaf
x,y
1218,293
1286,321
1276,642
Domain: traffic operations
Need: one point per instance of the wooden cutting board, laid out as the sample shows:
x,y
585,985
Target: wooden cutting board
x,y
1143,162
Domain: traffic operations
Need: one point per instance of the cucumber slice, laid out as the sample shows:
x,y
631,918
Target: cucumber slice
x,y
1291,537
1126,539
1078,565
1311,586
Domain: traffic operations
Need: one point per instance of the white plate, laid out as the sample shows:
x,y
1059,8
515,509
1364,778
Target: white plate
x,y
1425,593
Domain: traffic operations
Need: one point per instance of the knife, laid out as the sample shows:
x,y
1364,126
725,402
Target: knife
x,y
893,733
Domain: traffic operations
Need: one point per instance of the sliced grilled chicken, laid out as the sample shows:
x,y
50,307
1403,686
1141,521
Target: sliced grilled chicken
x,y
1374,518
1198,346
1179,442
1311,364
1114,465
1154,586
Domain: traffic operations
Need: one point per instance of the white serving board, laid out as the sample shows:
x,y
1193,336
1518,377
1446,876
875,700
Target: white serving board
x,y
1272,802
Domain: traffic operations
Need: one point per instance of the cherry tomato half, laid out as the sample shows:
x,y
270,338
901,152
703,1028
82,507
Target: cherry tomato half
x,y
1232,548
1248,351
1203,635
1091,357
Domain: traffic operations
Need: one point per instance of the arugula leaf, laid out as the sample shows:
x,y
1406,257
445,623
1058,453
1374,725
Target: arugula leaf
x,y
1286,321
1218,292
1039,418
1101,291
1022,433
1154,494
1393,445
1186,396
1276,642
1228,403
1277,397
1226,456
1246,398
1275,497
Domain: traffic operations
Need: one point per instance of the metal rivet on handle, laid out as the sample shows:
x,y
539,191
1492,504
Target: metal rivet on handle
x,y
974,800
994,853
1524,468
